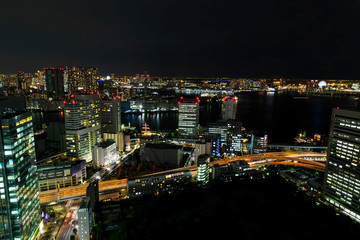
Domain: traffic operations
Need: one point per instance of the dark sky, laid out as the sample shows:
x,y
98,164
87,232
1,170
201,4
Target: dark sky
x,y
257,38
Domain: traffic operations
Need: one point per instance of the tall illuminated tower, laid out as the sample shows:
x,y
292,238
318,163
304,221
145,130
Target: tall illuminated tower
x,y
229,108
188,116
19,192
82,126
342,174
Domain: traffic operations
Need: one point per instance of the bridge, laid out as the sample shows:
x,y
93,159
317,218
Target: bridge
x,y
304,159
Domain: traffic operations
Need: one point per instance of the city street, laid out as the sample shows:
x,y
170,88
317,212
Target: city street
x,y
70,221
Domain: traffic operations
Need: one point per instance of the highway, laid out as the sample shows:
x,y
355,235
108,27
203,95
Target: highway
x,y
303,159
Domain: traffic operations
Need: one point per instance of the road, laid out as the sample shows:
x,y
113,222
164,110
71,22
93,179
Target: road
x,y
70,221
272,158
105,172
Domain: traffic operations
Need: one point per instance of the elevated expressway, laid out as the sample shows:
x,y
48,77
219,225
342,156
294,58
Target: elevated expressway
x,y
303,159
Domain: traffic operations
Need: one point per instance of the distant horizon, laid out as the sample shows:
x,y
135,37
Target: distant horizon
x,y
188,76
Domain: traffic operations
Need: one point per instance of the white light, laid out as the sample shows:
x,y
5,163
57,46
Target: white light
x,y
108,78
322,84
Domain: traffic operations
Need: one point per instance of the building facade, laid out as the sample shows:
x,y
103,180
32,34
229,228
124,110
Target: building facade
x,y
111,115
105,153
81,78
82,126
85,219
258,143
342,174
111,121
229,108
66,174
188,117
19,194
203,167
234,137
54,79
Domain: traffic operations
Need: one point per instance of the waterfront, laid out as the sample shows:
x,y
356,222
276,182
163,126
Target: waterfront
x,y
282,116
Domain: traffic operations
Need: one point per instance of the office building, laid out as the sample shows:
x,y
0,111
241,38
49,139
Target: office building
x,y
158,183
63,174
111,121
229,107
54,79
215,140
342,174
81,78
188,117
203,166
221,128
19,193
85,219
82,126
234,137
105,153
258,143
111,115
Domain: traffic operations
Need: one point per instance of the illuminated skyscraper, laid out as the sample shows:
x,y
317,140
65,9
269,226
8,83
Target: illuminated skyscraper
x,y
188,116
229,108
19,192
54,79
82,126
81,78
342,174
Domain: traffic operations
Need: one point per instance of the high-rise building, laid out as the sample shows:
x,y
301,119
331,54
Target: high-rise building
x,y
111,115
229,108
203,167
19,192
81,78
54,79
258,143
342,174
234,136
82,126
188,116
111,121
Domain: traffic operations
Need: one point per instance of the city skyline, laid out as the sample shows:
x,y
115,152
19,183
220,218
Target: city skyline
x,y
302,39
136,120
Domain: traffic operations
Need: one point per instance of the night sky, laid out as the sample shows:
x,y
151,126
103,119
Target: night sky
x,y
257,38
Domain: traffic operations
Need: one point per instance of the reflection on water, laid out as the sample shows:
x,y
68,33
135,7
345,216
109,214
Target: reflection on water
x,y
278,114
